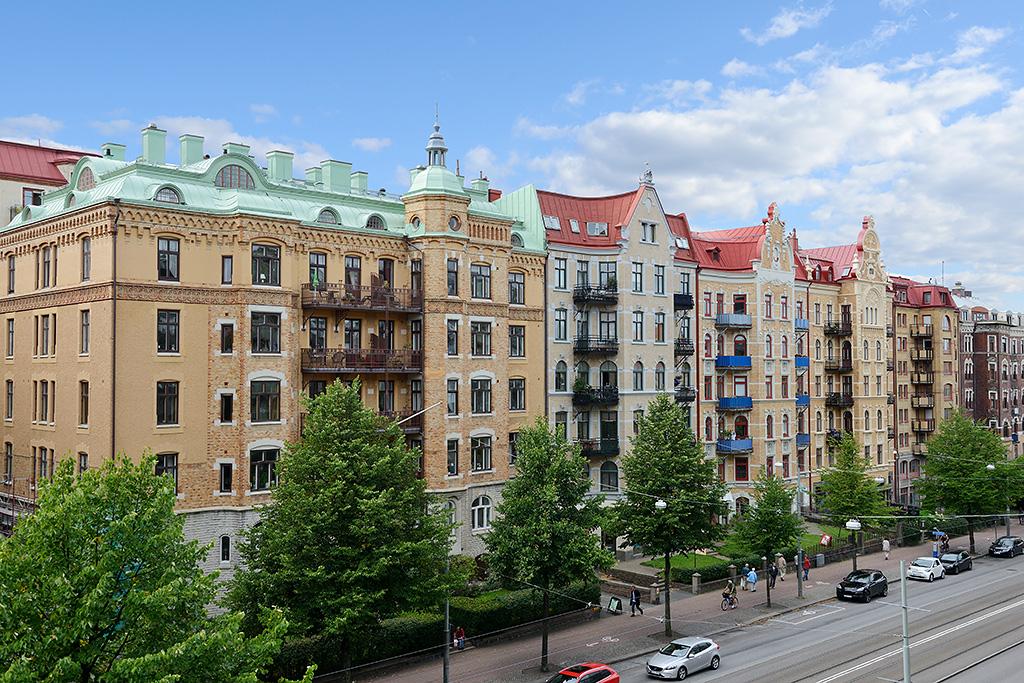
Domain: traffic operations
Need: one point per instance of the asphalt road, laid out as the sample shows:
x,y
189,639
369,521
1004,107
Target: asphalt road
x,y
963,629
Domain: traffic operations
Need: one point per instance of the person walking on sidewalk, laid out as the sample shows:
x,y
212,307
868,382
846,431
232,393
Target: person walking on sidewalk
x,y
459,638
780,562
743,576
885,547
773,573
752,580
807,565
634,602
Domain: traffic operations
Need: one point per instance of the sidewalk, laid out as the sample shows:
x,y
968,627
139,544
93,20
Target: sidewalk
x,y
614,638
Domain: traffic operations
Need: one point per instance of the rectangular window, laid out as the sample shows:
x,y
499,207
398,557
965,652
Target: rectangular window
x,y
353,334
480,453
83,462
416,275
226,475
416,395
659,279
513,439
606,275
582,273
227,408
167,331
659,327
684,283
83,404
767,306
597,229
386,396
480,280
607,325
167,259
561,324
785,386
86,258
318,332
480,336
481,396
560,273
453,397
266,265
263,469
638,277
227,338
166,403
84,323
227,269
517,341
9,351
317,269
316,387
517,394
453,337
265,401
561,424
552,223
647,232
353,274
416,334
45,271
453,277
10,275
453,457
784,307
516,288
266,332
167,465
638,326
742,474
9,399
44,336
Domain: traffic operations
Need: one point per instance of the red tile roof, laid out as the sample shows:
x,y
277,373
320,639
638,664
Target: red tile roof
x,y
31,163
732,249
679,226
614,210
916,290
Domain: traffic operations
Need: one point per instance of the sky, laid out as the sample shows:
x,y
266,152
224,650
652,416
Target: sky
x,y
911,111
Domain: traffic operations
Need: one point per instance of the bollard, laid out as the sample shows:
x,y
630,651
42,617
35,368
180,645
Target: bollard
x,y
695,583
732,572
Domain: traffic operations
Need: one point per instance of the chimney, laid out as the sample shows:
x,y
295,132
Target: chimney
x,y
112,150
235,148
480,184
313,175
360,180
337,176
191,149
154,144
279,165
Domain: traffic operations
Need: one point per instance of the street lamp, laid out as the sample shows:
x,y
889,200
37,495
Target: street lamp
x,y
853,526
992,468
660,505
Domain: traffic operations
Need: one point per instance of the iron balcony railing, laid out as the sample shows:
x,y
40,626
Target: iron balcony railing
x,y
595,396
684,348
682,302
599,448
922,377
733,320
920,330
595,294
586,344
361,297
918,449
890,398
801,324
837,399
922,354
922,401
889,332
923,425
839,365
361,360
890,433
839,328
686,394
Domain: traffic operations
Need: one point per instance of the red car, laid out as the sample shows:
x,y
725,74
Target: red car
x,y
587,672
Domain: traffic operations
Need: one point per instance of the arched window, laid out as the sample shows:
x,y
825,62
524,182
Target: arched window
x,y
225,548
721,346
583,372
767,347
800,423
684,373
609,374
481,513
86,180
609,476
830,350
785,426
451,509
235,177
327,216
742,506
878,350
638,376
375,222
817,349
707,346
659,377
708,428
947,392
817,421
517,240
867,355
769,427
742,428
785,346
867,420
831,421
168,195
800,346
878,420
945,320
739,345
561,376
847,351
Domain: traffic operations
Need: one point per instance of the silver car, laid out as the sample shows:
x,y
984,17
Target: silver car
x,y
684,656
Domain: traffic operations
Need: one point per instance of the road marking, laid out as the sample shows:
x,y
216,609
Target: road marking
x,y
812,614
896,604
604,640
930,638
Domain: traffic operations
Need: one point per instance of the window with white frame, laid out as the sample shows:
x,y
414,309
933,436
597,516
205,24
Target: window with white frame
x,y
480,453
480,513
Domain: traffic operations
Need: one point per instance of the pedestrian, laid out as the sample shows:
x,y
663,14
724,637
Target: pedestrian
x,y
752,580
634,602
773,573
885,547
807,566
780,562
743,576
459,638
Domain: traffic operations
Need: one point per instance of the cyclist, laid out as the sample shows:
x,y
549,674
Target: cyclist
x,y
730,595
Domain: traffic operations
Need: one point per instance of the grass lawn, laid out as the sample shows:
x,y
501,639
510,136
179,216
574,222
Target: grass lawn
x,y
686,561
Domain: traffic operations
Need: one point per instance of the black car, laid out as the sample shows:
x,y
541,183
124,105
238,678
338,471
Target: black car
x,y
1007,546
863,584
957,562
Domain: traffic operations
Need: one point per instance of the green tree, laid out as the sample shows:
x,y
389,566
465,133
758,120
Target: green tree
x,y
543,534
956,480
101,585
849,492
351,537
667,463
770,525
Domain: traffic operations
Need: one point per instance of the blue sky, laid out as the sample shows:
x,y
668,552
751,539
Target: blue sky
x,y
909,110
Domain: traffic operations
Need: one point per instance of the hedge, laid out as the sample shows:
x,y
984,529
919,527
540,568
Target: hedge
x,y
415,631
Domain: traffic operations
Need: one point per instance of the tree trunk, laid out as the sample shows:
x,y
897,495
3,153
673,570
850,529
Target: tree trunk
x,y
347,660
970,532
768,580
544,628
668,589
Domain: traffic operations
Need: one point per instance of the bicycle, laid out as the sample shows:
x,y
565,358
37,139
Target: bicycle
x,y
729,602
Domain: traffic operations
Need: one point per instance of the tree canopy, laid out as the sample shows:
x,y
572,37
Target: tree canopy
x,y
101,585
770,525
848,491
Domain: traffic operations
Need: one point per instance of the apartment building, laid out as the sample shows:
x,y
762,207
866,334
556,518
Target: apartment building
x,y
926,374
28,171
198,302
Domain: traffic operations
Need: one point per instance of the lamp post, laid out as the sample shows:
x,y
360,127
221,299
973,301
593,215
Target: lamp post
x,y
992,468
853,526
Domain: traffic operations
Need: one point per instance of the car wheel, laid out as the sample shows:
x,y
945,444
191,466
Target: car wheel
x,y
885,590
715,663
867,596
931,577
682,673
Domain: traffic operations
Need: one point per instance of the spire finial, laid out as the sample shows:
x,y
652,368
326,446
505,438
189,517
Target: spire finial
x,y
437,116
648,175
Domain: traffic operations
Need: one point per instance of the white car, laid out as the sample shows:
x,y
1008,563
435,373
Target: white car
x,y
926,569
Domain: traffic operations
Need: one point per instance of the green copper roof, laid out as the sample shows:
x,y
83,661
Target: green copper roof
x,y
436,180
524,207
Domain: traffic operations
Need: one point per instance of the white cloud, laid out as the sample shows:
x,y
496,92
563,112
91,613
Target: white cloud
x,y
525,126
115,126
737,68
974,42
787,23
482,159
582,90
262,112
680,93
33,129
371,144
898,6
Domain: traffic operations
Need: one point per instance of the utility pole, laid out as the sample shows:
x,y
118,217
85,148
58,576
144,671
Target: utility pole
x,y
906,623
800,572
447,630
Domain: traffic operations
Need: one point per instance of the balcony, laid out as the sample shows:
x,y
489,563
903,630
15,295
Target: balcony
x,y
605,345
686,395
595,396
920,330
361,360
839,328
803,400
599,448
922,401
682,302
890,365
684,348
801,324
836,399
361,297
889,332
735,446
839,365
922,378
890,433
732,321
925,426
802,362
735,403
411,424
731,363
918,449
596,294
890,398
803,440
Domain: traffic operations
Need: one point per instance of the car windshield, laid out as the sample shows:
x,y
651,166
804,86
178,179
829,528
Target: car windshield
x,y
675,650
560,678
950,557
858,578
923,562
1003,542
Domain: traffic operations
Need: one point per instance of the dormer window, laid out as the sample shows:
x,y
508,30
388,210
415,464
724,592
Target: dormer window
x,y
574,225
234,177
454,223
517,240
596,229
551,223
716,254
375,222
168,195
926,297
327,216
86,179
